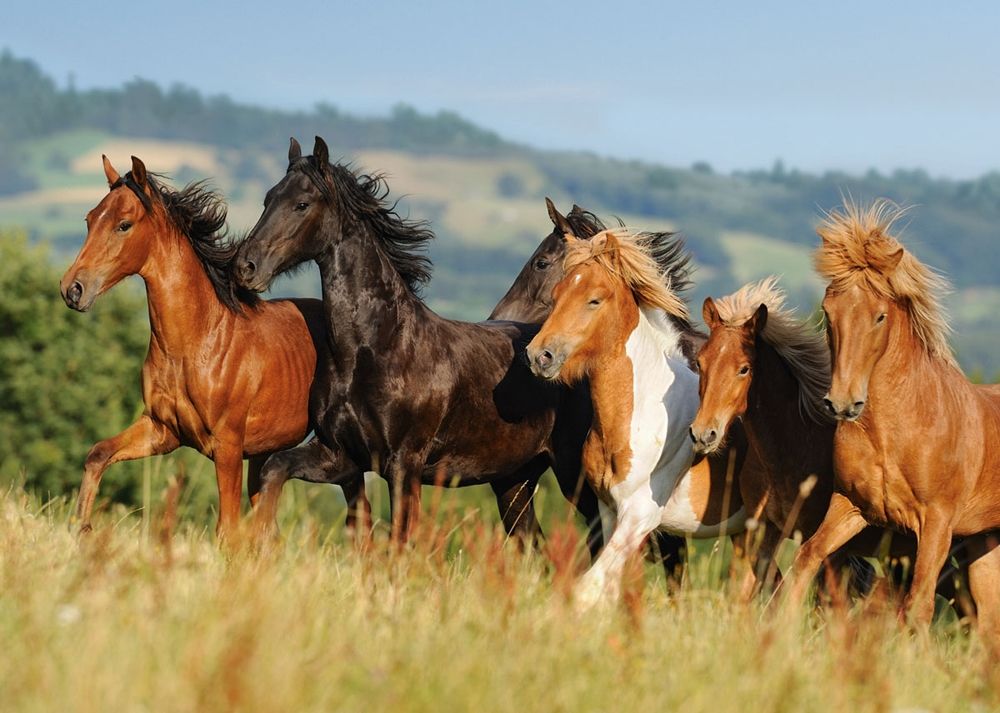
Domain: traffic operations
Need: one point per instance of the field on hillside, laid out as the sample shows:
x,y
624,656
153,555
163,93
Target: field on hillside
x,y
487,212
146,615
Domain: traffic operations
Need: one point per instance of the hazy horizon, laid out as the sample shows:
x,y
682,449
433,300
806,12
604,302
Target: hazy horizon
x,y
847,88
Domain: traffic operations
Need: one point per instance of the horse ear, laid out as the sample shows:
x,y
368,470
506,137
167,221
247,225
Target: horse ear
x,y
109,171
892,260
759,319
557,218
321,152
294,150
139,172
710,314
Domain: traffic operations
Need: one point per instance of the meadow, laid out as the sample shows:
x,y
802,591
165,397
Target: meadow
x,y
147,613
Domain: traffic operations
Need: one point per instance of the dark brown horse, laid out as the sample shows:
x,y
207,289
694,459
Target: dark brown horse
x,y
402,391
226,373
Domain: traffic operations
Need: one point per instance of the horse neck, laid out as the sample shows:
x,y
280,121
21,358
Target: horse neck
x,y
365,300
641,369
518,305
182,302
906,370
774,421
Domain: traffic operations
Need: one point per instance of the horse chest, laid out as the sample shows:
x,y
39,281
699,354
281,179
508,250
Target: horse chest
x,y
172,398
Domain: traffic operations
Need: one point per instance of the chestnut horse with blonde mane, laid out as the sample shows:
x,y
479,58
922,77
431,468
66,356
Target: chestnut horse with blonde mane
x,y
617,322
917,447
226,373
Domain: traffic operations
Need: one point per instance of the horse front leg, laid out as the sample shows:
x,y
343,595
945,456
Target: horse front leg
x,y
311,461
933,545
516,502
404,490
145,437
228,460
841,522
636,517
359,509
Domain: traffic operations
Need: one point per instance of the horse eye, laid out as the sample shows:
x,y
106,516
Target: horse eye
x,y
124,226
541,264
881,318
594,302
301,206
744,370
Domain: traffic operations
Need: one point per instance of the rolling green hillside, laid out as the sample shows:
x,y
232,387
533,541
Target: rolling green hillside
x,y
482,194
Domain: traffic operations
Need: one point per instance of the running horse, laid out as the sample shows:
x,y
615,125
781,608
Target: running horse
x,y
529,299
401,391
617,322
226,373
767,369
917,446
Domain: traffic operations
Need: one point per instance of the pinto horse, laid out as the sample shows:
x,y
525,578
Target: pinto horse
x,y
617,322
401,390
226,373
917,446
529,299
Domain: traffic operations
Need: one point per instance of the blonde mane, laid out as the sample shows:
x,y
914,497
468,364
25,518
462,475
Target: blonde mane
x,y
801,347
859,249
628,256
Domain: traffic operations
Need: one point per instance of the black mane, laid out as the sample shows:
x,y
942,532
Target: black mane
x,y
361,198
200,215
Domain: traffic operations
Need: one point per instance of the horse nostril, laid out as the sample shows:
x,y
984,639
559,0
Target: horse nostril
x,y
712,435
858,405
75,292
544,358
249,267
691,433
829,406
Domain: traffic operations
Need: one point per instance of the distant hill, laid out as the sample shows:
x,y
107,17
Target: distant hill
x,y
482,193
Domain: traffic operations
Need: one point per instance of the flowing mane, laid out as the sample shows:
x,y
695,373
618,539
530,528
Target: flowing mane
x,y
361,199
858,248
628,256
666,248
199,214
800,346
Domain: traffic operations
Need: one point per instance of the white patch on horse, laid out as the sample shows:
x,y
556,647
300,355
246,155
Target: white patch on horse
x,y
655,494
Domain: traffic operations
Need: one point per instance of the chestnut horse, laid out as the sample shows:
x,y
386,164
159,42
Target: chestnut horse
x,y
616,322
768,370
225,374
917,447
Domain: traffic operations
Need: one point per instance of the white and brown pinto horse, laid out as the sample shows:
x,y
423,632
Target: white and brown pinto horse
x,y
616,322
917,447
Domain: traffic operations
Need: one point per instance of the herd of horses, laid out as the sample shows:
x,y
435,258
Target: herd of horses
x,y
590,365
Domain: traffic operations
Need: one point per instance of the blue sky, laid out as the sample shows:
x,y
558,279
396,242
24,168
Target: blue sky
x,y
847,85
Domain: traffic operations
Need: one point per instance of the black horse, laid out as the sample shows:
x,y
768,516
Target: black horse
x,y
407,393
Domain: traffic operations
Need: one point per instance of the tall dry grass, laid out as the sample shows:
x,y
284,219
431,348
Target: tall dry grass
x,y
148,615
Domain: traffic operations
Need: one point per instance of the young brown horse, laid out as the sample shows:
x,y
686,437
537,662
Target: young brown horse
x,y
617,322
766,368
918,446
225,374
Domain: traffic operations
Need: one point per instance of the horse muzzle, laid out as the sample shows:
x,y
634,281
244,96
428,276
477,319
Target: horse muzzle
x,y
545,363
76,295
844,410
705,440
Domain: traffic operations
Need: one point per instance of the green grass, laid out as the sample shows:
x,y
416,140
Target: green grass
x,y
138,616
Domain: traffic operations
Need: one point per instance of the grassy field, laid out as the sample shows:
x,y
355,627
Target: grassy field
x,y
146,615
